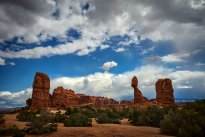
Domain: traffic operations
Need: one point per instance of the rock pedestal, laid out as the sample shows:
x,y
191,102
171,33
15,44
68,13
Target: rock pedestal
x,y
40,96
164,91
138,97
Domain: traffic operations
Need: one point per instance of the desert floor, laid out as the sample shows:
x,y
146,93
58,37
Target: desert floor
x,y
97,130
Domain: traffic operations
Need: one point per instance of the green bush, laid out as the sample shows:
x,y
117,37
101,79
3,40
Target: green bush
x,y
59,118
124,113
78,120
186,122
104,118
25,116
11,131
89,112
151,116
134,117
2,119
39,124
72,111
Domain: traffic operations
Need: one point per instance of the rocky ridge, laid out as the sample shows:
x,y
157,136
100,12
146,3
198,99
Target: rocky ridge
x,y
64,98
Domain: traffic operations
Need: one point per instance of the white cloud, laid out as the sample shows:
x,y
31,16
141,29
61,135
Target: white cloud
x,y
102,46
183,86
2,61
145,51
175,57
199,64
99,23
108,65
119,49
12,63
11,99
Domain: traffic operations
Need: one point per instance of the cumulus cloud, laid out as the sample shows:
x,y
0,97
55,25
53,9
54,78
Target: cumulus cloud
x,y
108,65
179,57
2,61
14,99
175,57
44,20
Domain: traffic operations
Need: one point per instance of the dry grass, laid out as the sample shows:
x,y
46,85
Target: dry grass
x,y
97,130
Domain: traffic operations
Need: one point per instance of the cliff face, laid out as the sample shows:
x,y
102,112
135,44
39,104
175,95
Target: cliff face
x,y
164,91
40,96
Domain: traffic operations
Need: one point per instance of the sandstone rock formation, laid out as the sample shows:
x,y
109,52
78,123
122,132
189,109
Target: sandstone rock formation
x,y
138,97
164,91
85,99
40,95
64,98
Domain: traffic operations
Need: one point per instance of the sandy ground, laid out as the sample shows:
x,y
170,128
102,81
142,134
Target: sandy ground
x,y
97,130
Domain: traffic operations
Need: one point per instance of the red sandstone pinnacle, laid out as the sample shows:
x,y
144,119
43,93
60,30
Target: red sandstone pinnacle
x,y
40,96
164,91
138,97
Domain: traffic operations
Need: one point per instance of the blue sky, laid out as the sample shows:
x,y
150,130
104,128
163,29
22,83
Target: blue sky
x,y
96,47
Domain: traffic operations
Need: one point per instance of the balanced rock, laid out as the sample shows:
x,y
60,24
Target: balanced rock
x,y
164,91
40,96
138,97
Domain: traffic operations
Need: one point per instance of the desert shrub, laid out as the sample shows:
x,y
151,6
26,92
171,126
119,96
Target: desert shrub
x,y
2,119
113,114
25,115
134,116
151,116
104,118
124,113
59,118
39,124
89,112
78,120
170,123
11,131
186,122
70,111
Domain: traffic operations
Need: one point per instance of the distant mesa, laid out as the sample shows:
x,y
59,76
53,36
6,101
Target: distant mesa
x,y
64,98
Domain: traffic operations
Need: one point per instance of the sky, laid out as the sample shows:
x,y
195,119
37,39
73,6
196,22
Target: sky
x,y
95,47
